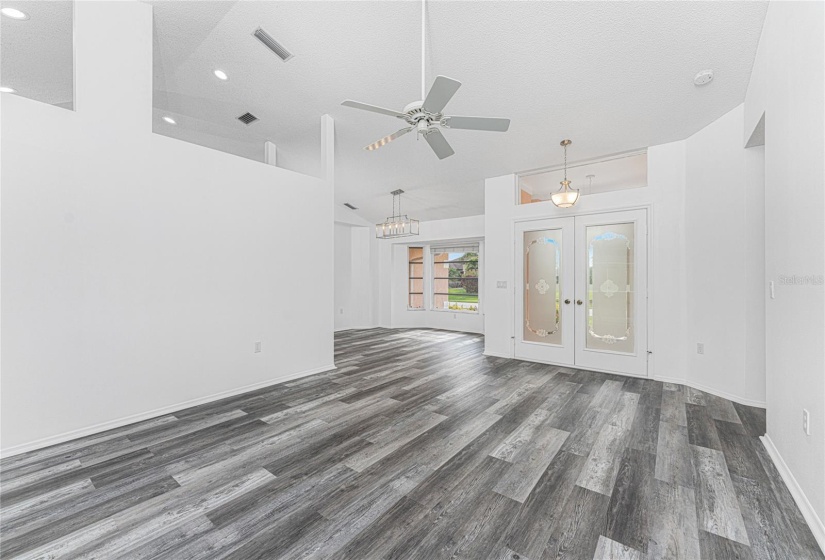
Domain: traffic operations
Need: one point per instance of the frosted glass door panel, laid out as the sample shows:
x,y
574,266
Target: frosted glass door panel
x,y
610,287
611,292
542,289
544,270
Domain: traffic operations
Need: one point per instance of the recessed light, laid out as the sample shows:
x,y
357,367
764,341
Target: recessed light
x,y
221,75
703,77
170,120
5,89
14,13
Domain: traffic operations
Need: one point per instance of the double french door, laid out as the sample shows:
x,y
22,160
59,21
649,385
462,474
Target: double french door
x,y
581,291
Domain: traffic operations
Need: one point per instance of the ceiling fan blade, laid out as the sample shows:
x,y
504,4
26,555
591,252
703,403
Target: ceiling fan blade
x,y
372,108
440,94
491,124
387,139
438,143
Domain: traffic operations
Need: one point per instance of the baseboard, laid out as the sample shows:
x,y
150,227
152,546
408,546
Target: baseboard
x,y
126,420
664,379
355,328
808,512
497,355
712,391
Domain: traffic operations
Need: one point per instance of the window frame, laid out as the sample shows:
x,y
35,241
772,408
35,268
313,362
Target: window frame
x,y
423,278
434,250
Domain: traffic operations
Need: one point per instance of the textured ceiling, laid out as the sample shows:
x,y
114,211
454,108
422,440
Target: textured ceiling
x,y
37,54
613,76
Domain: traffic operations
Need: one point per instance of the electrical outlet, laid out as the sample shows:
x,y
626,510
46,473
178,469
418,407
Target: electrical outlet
x,y
700,347
257,346
806,422
341,311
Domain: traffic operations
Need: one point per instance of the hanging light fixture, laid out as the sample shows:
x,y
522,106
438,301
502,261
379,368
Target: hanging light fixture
x,y
566,197
398,225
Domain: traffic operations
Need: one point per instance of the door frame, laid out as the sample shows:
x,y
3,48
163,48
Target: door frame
x,y
514,298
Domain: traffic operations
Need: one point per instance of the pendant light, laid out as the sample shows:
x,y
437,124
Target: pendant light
x,y
397,225
566,197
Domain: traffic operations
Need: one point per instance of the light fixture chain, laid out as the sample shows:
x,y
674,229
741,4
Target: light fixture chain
x,y
565,162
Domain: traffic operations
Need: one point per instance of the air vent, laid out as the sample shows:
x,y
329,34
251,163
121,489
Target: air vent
x,y
272,44
350,206
247,118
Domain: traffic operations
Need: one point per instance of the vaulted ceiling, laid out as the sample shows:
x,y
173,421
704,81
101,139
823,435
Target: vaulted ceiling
x,y
613,76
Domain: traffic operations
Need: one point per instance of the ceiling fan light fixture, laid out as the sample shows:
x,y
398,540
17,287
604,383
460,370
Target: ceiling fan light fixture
x,y
426,116
566,197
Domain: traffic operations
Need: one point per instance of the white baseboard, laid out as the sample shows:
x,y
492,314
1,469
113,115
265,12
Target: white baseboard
x,y
355,328
664,379
497,355
712,391
126,420
808,512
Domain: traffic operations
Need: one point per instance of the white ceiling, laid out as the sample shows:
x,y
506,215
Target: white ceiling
x,y
36,55
613,76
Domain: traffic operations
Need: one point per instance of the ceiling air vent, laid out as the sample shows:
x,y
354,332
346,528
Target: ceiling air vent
x,y
272,44
247,118
350,206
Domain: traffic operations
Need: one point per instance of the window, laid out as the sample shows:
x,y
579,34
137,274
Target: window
x,y
623,171
415,272
455,278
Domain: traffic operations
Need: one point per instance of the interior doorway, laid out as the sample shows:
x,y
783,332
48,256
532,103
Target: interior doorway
x,y
581,291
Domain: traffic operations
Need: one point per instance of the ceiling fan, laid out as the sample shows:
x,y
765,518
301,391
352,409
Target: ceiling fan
x,y
426,117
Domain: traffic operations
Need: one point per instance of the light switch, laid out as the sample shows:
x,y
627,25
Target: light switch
x,y
501,284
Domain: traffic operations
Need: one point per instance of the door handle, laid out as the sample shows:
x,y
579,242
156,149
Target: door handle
x,y
579,302
567,301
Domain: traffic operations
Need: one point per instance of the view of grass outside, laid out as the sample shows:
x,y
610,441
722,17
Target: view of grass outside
x,y
460,294
455,281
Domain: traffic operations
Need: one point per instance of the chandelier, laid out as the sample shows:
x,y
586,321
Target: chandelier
x,y
397,225
566,197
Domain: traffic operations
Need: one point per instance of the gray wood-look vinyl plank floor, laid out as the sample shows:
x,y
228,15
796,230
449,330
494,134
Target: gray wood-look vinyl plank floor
x,y
417,446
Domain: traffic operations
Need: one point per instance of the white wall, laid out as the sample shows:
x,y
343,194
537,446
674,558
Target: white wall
x,y
666,165
353,277
700,269
724,259
393,277
788,87
138,270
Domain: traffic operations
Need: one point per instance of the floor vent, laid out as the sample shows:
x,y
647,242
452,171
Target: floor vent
x,y
273,45
350,206
247,118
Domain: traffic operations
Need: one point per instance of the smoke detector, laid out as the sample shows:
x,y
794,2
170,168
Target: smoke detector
x,y
703,77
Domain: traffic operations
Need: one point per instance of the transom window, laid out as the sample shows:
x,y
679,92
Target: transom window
x,y
455,278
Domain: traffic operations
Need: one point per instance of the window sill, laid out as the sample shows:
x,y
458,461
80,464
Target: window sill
x,y
456,311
